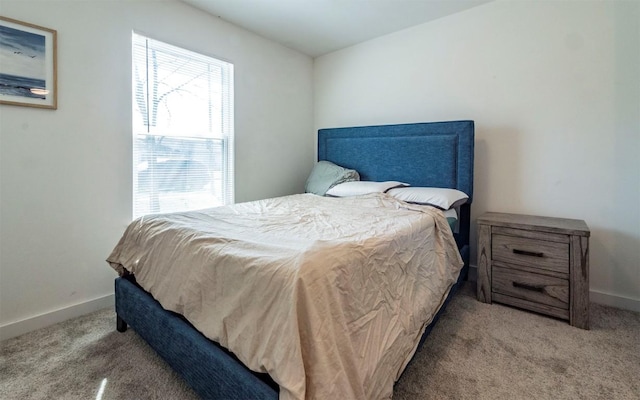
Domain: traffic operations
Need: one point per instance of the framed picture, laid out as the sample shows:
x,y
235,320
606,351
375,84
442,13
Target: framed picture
x,y
27,65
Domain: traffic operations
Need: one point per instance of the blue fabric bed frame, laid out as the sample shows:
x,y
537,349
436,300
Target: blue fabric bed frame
x,y
437,154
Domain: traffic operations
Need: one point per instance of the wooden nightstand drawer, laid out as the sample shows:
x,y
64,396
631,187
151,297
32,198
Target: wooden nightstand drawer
x,y
531,252
529,286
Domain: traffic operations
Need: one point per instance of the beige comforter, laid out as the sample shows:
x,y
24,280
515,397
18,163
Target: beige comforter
x,y
330,296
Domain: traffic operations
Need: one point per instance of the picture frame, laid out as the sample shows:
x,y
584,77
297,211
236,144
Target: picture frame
x,y
28,64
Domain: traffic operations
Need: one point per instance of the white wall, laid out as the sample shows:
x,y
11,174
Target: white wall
x,y
65,182
554,89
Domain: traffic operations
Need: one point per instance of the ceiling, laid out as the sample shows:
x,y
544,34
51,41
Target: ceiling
x,y
317,27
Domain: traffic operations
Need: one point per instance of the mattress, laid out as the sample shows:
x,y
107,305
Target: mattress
x,y
329,296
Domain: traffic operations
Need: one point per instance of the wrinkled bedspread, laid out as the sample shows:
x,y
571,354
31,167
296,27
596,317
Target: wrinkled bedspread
x,y
330,296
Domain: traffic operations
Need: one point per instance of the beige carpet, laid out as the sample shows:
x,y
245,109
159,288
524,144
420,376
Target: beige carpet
x,y
477,351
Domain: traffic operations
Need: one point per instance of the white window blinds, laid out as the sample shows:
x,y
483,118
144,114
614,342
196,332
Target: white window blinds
x,y
182,129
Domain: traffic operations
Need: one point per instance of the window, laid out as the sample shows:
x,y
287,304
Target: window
x,y
182,129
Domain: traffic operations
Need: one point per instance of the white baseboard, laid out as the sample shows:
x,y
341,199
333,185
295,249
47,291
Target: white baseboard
x,y
13,329
613,300
595,296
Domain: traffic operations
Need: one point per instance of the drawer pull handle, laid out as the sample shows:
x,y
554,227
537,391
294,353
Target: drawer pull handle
x,y
528,253
535,288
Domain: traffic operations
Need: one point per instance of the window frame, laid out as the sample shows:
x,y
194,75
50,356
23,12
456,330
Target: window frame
x,y
142,45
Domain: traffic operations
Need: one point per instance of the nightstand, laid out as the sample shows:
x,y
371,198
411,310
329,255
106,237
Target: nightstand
x,y
536,263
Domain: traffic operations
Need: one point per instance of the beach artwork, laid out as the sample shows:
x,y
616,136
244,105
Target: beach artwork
x,y
27,64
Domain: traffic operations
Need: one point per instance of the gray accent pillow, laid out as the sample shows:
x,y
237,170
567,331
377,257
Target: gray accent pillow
x,y
325,175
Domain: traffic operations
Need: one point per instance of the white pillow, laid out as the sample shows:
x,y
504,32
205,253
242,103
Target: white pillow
x,y
357,188
441,198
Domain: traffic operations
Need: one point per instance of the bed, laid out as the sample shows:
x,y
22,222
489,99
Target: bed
x,y
425,154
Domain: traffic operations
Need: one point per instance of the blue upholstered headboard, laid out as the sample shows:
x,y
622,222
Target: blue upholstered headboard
x,y
435,154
